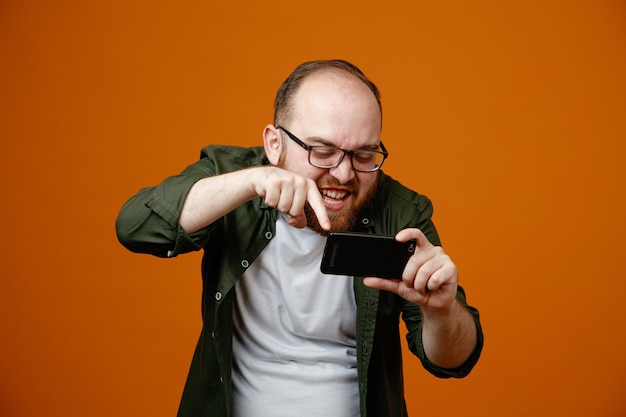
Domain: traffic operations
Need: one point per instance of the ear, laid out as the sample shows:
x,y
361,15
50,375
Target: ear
x,y
273,143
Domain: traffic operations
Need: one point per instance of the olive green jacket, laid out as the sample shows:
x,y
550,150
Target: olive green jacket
x,y
148,223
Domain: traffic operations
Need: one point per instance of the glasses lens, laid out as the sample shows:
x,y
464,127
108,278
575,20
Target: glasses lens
x,y
367,160
330,157
325,156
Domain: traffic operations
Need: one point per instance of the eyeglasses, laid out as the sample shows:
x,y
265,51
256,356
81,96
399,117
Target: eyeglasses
x,y
362,160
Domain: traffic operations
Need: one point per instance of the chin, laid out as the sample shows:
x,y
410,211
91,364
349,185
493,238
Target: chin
x,y
339,222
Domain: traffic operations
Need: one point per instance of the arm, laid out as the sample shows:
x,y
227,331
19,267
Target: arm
x,y
172,218
449,333
201,208
286,191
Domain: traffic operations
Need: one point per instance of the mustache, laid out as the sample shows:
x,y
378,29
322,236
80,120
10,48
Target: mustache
x,y
331,182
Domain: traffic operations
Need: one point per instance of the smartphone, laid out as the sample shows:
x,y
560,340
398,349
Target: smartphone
x,y
365,255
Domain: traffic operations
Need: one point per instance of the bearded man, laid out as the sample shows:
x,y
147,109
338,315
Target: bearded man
x,y
279,337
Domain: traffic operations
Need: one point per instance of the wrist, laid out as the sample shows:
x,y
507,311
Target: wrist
x,y
448,314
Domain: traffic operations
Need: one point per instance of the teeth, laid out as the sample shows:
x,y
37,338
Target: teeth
x,y
335,194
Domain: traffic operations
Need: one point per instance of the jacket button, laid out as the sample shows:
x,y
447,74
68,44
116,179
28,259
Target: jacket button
x,y
218,296
245,263
365,220
268,235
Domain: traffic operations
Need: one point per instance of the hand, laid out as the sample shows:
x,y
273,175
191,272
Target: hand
x,y
288,192
429,278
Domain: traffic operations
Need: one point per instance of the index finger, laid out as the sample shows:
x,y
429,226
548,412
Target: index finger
x,y
314,199
421,240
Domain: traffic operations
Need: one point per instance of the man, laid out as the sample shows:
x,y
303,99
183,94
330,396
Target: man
x,y
279,337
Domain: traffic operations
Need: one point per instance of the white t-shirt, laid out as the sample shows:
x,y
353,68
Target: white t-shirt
x,y
294,343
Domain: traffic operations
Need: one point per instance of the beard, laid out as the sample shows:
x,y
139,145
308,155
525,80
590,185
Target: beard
x,y
347,218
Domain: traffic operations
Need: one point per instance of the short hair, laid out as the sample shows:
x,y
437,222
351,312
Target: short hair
x,y
291,84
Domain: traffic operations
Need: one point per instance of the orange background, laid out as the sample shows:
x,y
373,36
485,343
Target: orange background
x,y
511,116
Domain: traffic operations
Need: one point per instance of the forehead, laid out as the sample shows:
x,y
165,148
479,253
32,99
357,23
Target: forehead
x,y
337,105
333,84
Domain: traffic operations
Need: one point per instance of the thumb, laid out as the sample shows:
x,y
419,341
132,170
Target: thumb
x,y
297,221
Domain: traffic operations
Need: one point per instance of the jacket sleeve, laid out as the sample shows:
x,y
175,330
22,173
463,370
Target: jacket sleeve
x,y
412,316
419,214
148,221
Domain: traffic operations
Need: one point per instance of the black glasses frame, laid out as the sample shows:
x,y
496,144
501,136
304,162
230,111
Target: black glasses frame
x,y
308,148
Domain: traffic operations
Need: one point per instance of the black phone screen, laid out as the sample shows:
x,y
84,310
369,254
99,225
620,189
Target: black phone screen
x,y
365,255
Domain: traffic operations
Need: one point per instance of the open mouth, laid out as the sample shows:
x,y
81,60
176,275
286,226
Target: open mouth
x,y
334,198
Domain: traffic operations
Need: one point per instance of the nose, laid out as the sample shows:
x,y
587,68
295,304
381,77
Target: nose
x,y
344,171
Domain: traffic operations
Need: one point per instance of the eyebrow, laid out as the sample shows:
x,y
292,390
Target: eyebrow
x,y
325,142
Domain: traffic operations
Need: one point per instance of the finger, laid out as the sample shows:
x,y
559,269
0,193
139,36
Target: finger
x,y
421,240
285,199
317,204
436,272
273,188
297,221
424,274
396,287
298,200
443,275
411,274
382,284
272,197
